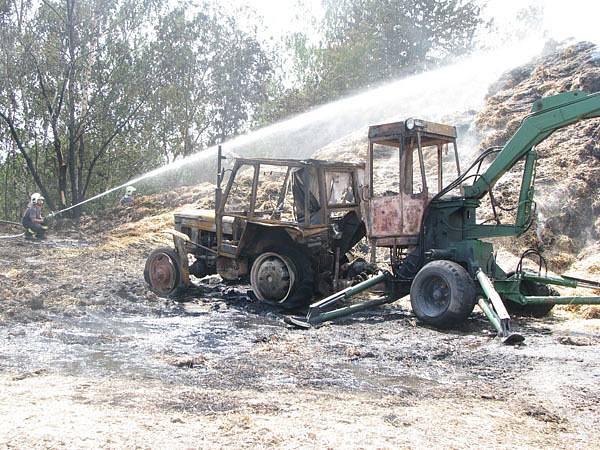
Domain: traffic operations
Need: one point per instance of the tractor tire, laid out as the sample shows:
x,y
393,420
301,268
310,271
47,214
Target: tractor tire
x,y
283,276
162,272
442,294
534,310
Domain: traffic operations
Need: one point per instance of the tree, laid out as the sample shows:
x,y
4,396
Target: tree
x,y
72,81
214,78
95,91
366,42
374,40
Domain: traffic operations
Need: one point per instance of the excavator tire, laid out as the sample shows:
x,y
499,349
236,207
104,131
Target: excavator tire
x,y
442,294
163,273
534,310
283,276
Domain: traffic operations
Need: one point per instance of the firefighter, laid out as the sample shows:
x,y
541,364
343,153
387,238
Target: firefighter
x,y
33,221
127,199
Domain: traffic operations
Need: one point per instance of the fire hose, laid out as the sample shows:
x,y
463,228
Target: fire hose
x,y
8,222
12,236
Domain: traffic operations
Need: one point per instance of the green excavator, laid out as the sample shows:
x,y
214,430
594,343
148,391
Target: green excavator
x,y
439,252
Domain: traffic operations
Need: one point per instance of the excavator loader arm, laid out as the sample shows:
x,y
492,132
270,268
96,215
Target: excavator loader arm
x,y
548,115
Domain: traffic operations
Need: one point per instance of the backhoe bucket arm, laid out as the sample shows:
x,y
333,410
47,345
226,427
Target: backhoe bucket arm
x,y
495,311
548,114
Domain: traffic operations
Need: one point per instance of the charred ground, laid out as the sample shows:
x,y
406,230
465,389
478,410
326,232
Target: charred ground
x,y
130,369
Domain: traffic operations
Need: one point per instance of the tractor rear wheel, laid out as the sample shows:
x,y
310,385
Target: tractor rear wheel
x,y
162,272
442,294
283,276
535,309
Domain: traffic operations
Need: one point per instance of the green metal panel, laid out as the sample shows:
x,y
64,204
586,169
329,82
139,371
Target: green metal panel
x,y
509,289
490,314
593,300
526,194
558,281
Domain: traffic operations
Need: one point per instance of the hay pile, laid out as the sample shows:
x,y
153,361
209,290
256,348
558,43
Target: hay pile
x,y
568,171
140,225
351,148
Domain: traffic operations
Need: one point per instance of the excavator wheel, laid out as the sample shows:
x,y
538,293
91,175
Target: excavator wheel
x,y
283,276
442,294
533,310
162,272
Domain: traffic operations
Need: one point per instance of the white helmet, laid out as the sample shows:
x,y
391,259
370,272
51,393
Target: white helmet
x,y
35,197
130,190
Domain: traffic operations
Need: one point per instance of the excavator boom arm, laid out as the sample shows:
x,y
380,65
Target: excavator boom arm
x,y
548,115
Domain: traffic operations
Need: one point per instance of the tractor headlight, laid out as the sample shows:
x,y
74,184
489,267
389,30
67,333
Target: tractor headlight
x,y
410,124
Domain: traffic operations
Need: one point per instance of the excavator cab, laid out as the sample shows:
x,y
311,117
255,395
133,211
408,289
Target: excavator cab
x,y
439,253
409,160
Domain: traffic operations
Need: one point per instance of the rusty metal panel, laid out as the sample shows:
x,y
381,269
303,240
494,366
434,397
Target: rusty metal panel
x,y
395,216
440,128
232,268
386,130
202,219
401,241
385,215
183,260
392,133
413,213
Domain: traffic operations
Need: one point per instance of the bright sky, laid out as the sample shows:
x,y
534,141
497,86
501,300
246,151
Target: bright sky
x,y
564,18
280,14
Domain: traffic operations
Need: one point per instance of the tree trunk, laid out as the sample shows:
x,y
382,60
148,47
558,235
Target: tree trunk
x,y
71,104
30,165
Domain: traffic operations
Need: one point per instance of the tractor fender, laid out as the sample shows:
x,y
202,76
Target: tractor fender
x,y
259,236
179,240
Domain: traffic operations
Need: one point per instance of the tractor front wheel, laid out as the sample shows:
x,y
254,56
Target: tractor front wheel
x,y
442,294
162,272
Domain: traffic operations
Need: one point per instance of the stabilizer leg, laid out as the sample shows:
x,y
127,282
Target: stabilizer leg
x,y
495,311
317,312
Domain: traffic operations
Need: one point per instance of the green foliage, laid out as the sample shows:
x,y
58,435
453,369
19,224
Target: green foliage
x,y
383,39
212,76
94,92
367,42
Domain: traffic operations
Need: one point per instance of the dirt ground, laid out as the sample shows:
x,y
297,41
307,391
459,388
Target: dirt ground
x,y
90,358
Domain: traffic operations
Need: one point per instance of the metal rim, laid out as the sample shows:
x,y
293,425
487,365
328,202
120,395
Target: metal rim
x,y
436,295
163,273
272,277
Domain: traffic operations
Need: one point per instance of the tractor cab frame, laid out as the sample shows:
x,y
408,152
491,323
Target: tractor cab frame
x,y
414,151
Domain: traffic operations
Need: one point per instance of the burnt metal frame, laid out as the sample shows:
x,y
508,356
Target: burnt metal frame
x,y
321,166
397,135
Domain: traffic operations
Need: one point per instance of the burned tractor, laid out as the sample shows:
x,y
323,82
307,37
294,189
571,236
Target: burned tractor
x,y
286,225
439,251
